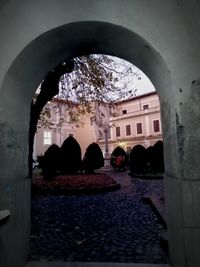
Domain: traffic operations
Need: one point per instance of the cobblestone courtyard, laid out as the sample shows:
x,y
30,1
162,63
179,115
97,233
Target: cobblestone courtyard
x,y
110,227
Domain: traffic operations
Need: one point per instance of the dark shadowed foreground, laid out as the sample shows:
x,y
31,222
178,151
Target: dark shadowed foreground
x,y
108,227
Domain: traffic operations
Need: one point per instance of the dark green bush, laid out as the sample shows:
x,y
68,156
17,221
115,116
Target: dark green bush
x,y
156,157
50,162
138,159
70,155
93,158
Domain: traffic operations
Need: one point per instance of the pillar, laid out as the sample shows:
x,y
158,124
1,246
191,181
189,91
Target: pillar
x,y
182,180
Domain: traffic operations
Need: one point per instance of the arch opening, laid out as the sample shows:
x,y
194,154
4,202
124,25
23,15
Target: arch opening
x,y
83,225
37,59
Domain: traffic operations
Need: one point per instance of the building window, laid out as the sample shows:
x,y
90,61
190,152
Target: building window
x,y
124,111
145,107
91,121
128,129
156,126
117,131
47,138
139,128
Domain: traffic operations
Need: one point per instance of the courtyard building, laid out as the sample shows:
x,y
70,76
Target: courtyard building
x,y
136,121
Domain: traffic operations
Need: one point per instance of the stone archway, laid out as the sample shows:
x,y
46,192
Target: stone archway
x,y
89,41
35,54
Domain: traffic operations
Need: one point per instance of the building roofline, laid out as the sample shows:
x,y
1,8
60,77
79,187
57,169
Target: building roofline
x,y
61,100
136,97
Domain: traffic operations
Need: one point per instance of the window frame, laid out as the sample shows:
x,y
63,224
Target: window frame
x,y
154,126
47,137
146,107
137,127
92,121
128,130
118,132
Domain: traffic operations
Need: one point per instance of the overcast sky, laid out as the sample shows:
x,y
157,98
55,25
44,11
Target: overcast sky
x,y
134,79
142,85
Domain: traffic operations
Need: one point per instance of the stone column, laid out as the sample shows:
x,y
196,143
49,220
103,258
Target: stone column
x,y
107,154
189,150
14,196
182,180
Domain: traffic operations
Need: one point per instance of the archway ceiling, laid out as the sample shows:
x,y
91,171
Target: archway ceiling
x,y
80,38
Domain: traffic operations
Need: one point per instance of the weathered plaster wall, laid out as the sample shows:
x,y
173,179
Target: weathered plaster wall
x,y
161,38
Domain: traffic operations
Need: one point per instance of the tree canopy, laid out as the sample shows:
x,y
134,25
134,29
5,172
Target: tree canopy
x,y
99,78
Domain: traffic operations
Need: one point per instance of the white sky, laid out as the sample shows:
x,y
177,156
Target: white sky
x,y
143,85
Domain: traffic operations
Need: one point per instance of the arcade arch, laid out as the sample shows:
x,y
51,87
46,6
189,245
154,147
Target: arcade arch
x,y
31,66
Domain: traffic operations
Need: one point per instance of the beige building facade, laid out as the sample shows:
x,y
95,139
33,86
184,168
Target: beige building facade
x,y
137,121
54,128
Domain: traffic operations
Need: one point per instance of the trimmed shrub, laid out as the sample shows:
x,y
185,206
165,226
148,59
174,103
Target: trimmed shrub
x,y
40,161
93,158
138,159
50,162
119,159
70,155
156,158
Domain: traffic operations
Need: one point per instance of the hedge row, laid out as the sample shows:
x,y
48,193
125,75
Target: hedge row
x,y
140,160
67,159
150,160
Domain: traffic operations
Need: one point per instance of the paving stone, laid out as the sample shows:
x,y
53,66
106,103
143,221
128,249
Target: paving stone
x,y
112,227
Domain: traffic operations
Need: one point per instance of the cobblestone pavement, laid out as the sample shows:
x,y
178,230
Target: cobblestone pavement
x,y
110,227
90,264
